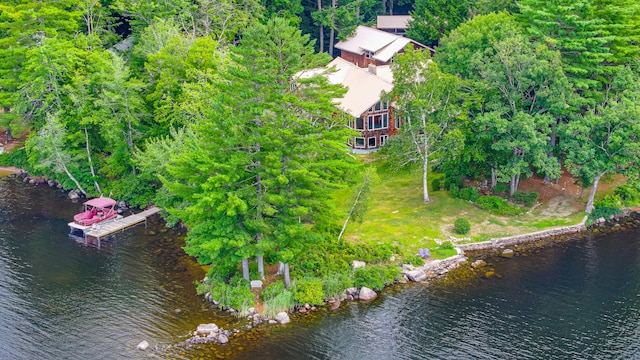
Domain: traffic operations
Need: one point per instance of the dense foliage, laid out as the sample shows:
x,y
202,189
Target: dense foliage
x,y
190,104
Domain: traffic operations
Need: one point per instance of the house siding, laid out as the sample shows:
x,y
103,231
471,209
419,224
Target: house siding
x,y
377,134
360,60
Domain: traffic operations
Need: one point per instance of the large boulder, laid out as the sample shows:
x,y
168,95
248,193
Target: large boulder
x,y
416,275
73,195
207,328
507,253
367,294
283,318
256,284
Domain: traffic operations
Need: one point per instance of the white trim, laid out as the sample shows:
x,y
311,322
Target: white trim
x,y
375,142
355,142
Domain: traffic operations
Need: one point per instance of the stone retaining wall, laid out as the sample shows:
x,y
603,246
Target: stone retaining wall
x,y
498,243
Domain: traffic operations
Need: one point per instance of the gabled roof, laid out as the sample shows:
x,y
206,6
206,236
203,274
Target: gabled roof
x,y
363,87
393,21
382,44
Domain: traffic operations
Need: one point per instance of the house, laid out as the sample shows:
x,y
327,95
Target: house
x,y
369,46
364,109
395,24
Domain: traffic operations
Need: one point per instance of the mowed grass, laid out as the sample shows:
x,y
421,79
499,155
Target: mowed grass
x,y
397,215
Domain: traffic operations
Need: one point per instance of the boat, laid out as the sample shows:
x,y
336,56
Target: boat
x,y
96,212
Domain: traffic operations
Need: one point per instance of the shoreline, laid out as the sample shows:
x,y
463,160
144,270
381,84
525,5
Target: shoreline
x,y
9,170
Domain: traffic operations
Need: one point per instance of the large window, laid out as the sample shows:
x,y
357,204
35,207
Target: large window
x,y
378,121
383,139
398,120
372,142
359,124
359,142
379,106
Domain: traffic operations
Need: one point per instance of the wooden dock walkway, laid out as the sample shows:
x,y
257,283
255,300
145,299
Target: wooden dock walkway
x,y
101,231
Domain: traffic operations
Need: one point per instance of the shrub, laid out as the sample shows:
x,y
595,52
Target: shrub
x,y
604,212
462,226
272,290
236,294
436,184
308,291
414,260
499,189
283,301
629,193
376,276
469,194
16,157
525,198
609,201
335,284
453,180
498,206
454,190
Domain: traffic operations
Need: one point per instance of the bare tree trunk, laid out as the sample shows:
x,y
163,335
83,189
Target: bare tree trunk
x,y
332,32
321,30
355,203
280,268
245,269
93,173
494,177
69,174
287,278
592,193
513,186
425,184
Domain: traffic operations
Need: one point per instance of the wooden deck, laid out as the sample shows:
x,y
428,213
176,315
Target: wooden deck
x,y
101,231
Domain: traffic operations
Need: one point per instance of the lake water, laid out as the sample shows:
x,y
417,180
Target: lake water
x,y
62,299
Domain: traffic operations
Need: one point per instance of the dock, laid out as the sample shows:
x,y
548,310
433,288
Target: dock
x,y
112,227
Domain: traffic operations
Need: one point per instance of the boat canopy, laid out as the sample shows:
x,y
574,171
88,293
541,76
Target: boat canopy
x,y
101,202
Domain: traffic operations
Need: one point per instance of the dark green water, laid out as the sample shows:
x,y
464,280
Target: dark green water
x,y
60,299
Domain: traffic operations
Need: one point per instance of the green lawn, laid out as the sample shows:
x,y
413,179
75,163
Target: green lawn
x,y
397,215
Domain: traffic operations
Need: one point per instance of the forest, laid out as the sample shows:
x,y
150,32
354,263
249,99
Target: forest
x,y
189,105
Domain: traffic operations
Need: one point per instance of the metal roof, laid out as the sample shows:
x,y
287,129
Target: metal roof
x,y
393,21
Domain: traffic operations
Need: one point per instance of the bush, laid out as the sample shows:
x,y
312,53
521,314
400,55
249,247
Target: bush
x,y
497,205
499,189
414,260
283,301
449,181
376,276
611,201
454,190
308,291
237,294
604,212
462,226
272,290
335,284
436,184
469,194
16,157
629,193
525,198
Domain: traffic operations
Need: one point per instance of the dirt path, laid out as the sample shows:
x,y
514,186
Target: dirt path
x,y
559,206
